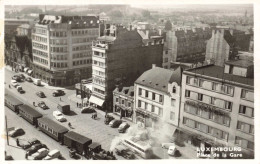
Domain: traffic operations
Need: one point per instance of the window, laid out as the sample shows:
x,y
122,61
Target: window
x,y
166,52
188,79
140,91
146,93
129,104
185,120
153,108
145,106
173,101
160,112
214,86
244,93
228,105
200,97
195,82
174,89
153,96
213,100
116,99
250,145
160,98
172,116
139,103
201,82
187,93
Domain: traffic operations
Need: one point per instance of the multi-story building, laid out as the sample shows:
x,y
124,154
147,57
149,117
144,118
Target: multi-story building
x,y
123,102
221,46
187,46
217,107
61,47
157,98
120,56
24,30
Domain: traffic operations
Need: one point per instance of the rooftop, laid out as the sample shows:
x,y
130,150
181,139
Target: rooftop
x,y
53,125
77,137
106,38
158,78
30,110
240,63
128,91
25,26
13,100
217,72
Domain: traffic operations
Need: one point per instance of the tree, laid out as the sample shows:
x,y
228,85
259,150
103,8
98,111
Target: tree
x,y
168,25
116,13
146,14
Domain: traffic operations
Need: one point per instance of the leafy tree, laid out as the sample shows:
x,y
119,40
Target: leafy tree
x,y
168,25
116,13
146,14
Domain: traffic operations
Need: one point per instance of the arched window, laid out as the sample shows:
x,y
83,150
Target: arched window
x,y
174,89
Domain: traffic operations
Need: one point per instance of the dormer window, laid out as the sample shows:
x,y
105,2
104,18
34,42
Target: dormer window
x,y
174,89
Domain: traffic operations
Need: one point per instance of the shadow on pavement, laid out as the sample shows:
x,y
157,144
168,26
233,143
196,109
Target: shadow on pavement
x,y
72,113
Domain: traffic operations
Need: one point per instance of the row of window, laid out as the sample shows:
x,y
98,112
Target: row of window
x,y
99,73
83,40
58,41
218,87
99,91
78,48
81,55
80,62
59,57
209,115
248,95
37,52
150,95
244,127
48,129
98,63
26,114
58,33
209,100
99,81
40,31
244,143
151,108
40,60
124,102
246,111
38,38
59,49
85,32
59,65
40,46
99,54
205,129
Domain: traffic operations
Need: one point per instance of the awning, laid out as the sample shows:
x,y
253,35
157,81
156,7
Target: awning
x,y
96,100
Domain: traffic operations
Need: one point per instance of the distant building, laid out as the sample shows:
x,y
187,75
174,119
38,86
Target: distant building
x,y
61,47
104,17
157,98
187,46
217,107
24,29
123,102
12,24
120,56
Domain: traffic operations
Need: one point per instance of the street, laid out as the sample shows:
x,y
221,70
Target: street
x,y
81,123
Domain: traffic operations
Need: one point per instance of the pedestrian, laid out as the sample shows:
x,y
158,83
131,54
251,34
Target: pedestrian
x,y
26,155
17,142
33,103
9,86
69,124
77,104
60,98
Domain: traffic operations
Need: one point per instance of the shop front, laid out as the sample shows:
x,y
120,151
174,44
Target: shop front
x,y
124,112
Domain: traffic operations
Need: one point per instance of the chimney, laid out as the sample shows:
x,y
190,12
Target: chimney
x,y
153,65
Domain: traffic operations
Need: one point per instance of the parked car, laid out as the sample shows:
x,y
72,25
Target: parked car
x,y
115,123
59,116
124,152
35,147
37,82
21,76
29,79
88,109
40,94
172,150
29,143
167,145
20,89
58,93
16,132
108,119
122,128
17,78
42,105
52,155
41,153
14,83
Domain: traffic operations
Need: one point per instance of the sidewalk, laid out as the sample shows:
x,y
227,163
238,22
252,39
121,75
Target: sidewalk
x,y
16,152
43,83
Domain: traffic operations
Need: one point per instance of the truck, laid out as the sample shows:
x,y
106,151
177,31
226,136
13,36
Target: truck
x,y
37,82
64,108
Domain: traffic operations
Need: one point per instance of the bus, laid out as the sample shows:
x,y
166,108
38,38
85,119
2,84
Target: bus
x,y
140,147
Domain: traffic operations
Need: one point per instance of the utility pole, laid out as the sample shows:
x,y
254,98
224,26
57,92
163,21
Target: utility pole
x,y
6,131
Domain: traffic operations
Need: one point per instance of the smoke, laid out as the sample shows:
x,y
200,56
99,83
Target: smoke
x,y
160,133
